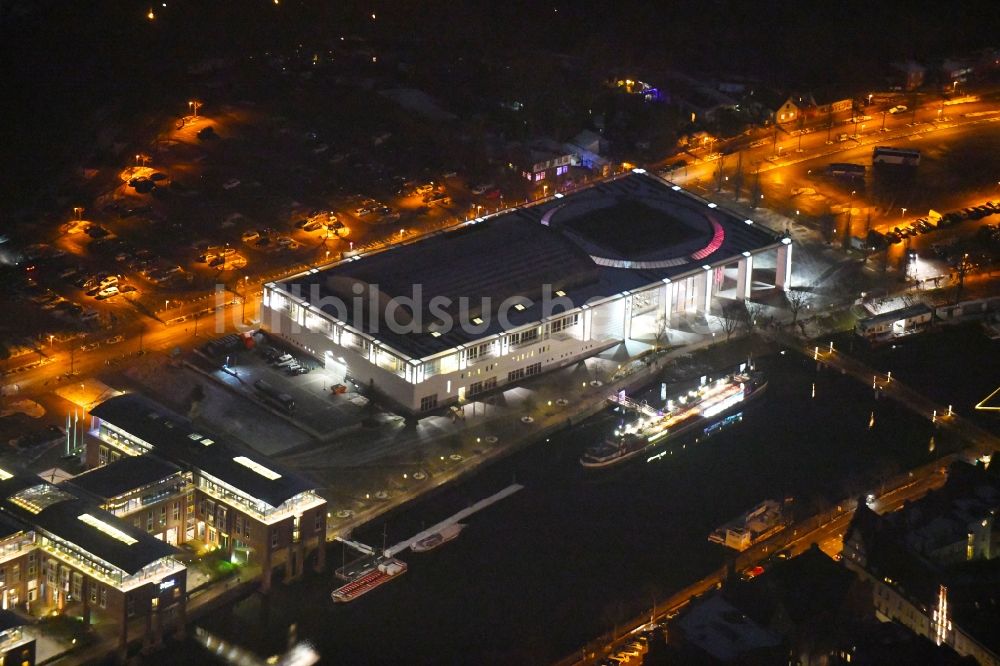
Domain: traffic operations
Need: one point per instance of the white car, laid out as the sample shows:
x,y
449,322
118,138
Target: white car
x,y
481,188
107,292
897,109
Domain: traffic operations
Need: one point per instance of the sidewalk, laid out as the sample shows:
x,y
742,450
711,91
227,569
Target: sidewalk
x,y
528,413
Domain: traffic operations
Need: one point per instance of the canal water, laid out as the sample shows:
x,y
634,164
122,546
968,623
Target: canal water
x,y
537,575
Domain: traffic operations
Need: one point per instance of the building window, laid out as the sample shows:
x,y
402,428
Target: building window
x,y
514,375
274,538
149,522
176,512
564,323
104,597
479,351
93,593
561,170
319,521
428,402
539,176
533,369
523,338
77,589
163,515
131,606
102,455
483,386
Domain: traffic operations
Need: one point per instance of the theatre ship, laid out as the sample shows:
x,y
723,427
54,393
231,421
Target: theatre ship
x,y
656,426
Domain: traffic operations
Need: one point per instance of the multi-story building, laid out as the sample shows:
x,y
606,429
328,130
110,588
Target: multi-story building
x,y
17,642
62,552
467,311
933,565
200,488
150,493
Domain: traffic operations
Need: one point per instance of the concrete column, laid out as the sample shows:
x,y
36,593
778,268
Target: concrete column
x,y
663,307
147,637
157,628
744,277
697,283
123,639
265,578
181,618
588,325
320,554
86,601
783,267
709,280
627,324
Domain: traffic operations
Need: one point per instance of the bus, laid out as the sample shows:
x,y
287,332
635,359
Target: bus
x,y
282,400
899,156
846,169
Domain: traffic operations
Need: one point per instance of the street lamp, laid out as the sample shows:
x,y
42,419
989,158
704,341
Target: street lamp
x,y
193,107
243,314
78,211
870,98
904,212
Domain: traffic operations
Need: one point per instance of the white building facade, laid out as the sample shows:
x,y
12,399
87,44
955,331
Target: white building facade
x,y
432,367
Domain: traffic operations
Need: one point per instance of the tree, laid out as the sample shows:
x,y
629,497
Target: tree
x,y
733,313
661,337
751,312
797,298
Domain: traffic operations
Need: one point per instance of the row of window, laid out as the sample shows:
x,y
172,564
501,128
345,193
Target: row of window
x,y
528,371
476,388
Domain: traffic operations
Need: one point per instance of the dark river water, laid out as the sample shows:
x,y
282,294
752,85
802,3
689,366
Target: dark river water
x,y
535,576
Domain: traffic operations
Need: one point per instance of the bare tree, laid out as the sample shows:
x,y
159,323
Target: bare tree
x,y
733,313
660,336
797,299
751,312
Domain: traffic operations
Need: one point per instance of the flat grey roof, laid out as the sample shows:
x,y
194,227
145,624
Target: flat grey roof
x,y
594,243
123,476
171,438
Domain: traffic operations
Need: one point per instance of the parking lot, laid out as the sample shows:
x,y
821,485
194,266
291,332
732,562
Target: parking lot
x,y
317,408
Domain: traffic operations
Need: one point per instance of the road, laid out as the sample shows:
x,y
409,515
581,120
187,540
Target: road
x,y
828,535
825,530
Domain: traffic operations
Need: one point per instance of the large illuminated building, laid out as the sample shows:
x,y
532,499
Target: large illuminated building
x,y
59,551
159,473
526,291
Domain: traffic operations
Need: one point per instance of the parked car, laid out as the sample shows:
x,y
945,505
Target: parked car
x,y
897,109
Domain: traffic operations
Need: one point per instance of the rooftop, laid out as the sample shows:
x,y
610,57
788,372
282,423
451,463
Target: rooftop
x,y
176,440
123,475
79,522
623,234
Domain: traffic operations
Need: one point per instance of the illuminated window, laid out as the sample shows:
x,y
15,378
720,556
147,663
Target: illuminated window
x,y
268,474
4,475
477,320
207,442
519,307
110,530
560,293
38,498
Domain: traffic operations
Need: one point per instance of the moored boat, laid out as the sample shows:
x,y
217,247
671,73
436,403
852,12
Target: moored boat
x,y
444,535
693,409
